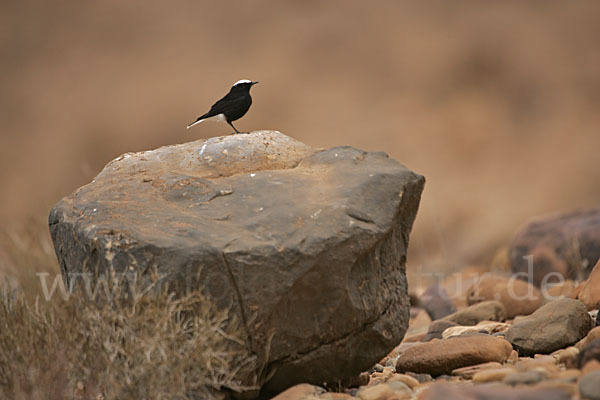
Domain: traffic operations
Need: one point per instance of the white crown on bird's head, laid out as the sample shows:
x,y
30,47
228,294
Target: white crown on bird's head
x,y
242,81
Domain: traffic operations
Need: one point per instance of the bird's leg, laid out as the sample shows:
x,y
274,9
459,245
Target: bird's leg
x,y
236,131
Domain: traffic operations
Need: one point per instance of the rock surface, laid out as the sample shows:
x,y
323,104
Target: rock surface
x,y
568,244
270,228
517,296
443,356
558,324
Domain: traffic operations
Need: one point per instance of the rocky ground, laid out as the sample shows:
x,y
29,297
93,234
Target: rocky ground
x,y
501,346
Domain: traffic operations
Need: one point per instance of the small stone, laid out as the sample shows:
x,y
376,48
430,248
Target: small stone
x,y
446,391
556,325
469,372
361,379
589,291
436,302
590,366
406,379
591,351
336,396
540,362
437,328
482,327
525,378
568,375
421,378
440,357
589,386
568,356
484,311
517,296
569,388
378,368
302,391
591,336
385,391
559,290
492,375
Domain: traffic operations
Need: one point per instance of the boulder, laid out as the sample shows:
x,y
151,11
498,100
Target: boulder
x,y
517,296
443,356
306,246
556,325
567,244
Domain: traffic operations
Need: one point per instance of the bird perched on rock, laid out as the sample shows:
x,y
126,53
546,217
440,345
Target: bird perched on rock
x,y
232,106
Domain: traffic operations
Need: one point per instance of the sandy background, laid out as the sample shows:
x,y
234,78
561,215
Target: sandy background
x,y
496,103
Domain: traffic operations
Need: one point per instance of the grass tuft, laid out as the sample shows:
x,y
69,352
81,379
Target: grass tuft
x,y
149,347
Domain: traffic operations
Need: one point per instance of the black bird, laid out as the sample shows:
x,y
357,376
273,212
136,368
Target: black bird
x,y
232,106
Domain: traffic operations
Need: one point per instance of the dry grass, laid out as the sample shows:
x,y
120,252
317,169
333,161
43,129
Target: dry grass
x,y
149,347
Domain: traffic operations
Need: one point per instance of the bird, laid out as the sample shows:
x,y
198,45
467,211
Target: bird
x,y
232,106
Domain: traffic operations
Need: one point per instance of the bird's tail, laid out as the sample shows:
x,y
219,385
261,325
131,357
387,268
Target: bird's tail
x,y
196,122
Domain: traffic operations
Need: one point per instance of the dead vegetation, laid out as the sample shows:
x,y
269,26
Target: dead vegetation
x,y
149,347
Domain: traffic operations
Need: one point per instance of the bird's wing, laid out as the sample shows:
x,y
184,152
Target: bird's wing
x,y
224,106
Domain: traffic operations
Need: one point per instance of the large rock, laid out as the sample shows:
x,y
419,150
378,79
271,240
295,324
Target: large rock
x,y
556,325
308,246
568,244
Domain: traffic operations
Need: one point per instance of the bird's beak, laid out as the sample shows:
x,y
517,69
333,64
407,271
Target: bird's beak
x,y
254,83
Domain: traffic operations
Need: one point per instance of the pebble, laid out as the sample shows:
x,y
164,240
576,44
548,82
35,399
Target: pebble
x,y
525,378
436,302
300,392
590,351
556,325
589,386
474,314
469,372
482,327
440,357
437,328
589,290
406,379
385,391
445,391
492,375
568,356
592,335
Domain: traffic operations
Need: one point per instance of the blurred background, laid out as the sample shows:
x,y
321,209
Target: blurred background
x,y
496,103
